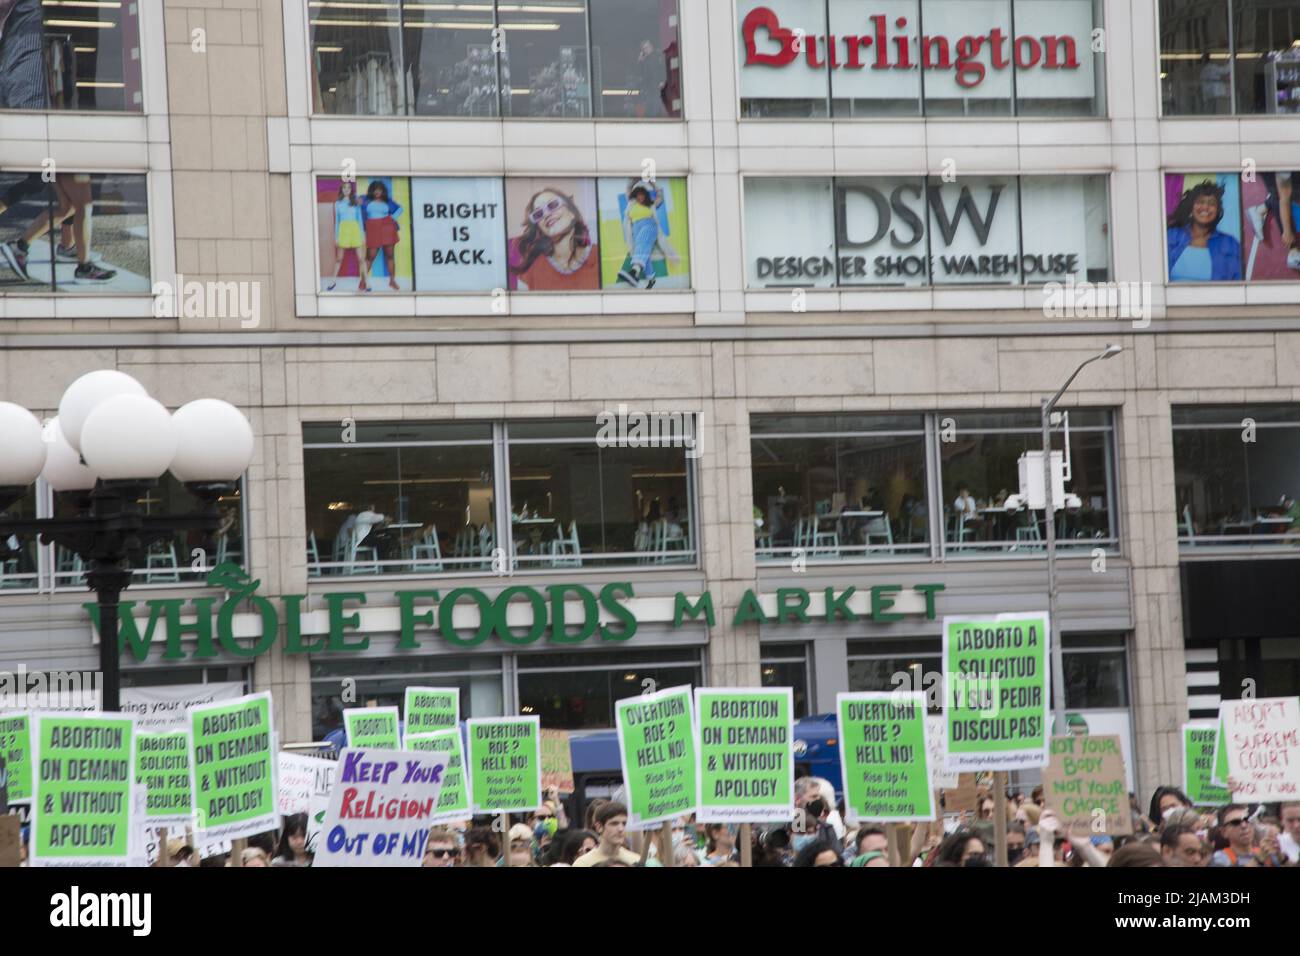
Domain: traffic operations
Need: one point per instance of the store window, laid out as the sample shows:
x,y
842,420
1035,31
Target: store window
x,y
569,59
1232,226
979,455
839,487
578,691
786,665
967,58
1270,665
913,665
399,498
916,231
461,234
75,55
183,557
383,683
18,555
178,676
1235,471
82,234
580,497
1096,671
1229,56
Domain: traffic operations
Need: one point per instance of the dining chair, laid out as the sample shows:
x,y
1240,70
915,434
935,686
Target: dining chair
x,y
164,557
361,558
313,556
566,552
880,528
1189,529
426,556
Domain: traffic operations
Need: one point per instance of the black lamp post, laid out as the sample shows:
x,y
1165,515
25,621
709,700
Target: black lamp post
x,y
109,446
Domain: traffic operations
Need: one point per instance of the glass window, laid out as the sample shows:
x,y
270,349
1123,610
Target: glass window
x,y
979,459
1266,60
880,232
898,665
1096,671
174,676
786,665
577,504
1234,476
578,691
399,509
71,55
451,68
789,233
184,556
860,86
544,69
1065,228
636,59
974,229
1271,664
978,82
18,567
356,58
383,683
840,498
783,74
1057,73
84,234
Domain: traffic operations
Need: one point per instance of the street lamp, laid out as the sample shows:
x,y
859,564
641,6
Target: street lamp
x,y
108,446
1058,658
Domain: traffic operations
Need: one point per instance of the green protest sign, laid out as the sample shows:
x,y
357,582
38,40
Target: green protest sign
x,y
884,758
83,789
1198,766
996,691
505,759
16,749
1219,777
429,709
453,798
233,767
656,743
162,767
374,728
745,764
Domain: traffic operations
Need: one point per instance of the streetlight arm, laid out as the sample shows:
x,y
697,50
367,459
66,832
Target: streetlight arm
x,y
1051,403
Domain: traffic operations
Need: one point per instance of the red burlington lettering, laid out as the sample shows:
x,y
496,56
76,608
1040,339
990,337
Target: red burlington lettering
x,y
851,48
766,19
996,39
1035,52
1054,62
881,42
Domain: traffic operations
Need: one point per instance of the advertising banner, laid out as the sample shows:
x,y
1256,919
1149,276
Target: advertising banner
x,y
364,226
460,233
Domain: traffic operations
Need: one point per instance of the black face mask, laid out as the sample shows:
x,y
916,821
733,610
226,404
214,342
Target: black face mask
x,y
1014,853
816,808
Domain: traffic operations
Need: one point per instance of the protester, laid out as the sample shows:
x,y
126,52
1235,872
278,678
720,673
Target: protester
x,y
1015,843
573,844
1180,846
440,849
481,847
521,845
1136,855
818,853
255,856
611,825
293,843
1165,800
1289,839
962,848
1239,834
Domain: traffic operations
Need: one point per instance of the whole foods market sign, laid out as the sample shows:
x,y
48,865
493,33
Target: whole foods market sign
x,y
247,624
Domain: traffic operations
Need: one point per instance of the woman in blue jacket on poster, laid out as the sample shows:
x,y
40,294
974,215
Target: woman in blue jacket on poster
x,y
1198,252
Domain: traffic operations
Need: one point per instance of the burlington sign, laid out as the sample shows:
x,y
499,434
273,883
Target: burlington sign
x,y
465,617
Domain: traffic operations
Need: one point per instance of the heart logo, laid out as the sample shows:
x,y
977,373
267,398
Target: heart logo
x,y
766,19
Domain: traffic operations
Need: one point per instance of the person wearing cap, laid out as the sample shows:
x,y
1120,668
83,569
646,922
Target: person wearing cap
x,y
179,852
874,858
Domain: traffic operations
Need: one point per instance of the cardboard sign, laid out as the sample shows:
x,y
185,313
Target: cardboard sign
x,y
1198,765
963,798
381,808
84,789
1261,740
373,727
745,762
430,709
454,801
557,761
996,697
233,768
1084,783
505,759
656,745
16,748
300,778
11,840
883,756
162,767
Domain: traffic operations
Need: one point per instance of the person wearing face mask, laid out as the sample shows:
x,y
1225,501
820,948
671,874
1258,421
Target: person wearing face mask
x,y
1015,843
1164,800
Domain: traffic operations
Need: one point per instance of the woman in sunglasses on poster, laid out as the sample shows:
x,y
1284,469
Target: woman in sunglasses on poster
x,y
556,252
1198,251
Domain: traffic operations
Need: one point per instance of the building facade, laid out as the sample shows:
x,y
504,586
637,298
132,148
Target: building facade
x,y
835,251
